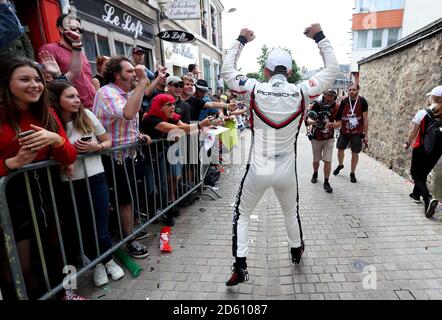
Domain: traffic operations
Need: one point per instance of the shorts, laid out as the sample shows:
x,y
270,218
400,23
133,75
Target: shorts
x,y
354,141
323,150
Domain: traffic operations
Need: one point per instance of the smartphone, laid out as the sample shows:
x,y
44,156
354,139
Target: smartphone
x,y
86,139
25,134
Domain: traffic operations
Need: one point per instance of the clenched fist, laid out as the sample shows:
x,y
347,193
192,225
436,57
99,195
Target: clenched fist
x,y
312,30
248,34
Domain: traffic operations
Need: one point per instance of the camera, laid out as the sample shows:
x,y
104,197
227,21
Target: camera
x,y
322,116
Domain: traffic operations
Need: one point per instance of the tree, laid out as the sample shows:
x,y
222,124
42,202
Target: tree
x,y
262,59
253,75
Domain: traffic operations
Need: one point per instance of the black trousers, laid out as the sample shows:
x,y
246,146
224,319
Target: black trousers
x,y
421,166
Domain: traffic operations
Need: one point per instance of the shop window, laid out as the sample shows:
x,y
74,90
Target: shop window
x,y
103,46
90,49
119,48
206,63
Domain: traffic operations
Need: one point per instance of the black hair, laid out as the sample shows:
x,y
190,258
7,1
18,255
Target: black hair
x,y
353,84
191,67
278,70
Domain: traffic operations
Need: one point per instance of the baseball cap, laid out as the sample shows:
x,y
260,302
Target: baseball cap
x,y
202,85
279,58
437,91
137,50
174,80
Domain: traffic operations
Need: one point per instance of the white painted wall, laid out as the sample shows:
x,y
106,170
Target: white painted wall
x,y
419,13
358,55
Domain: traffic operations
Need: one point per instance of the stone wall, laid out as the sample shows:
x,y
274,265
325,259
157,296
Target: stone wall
x,y
395,86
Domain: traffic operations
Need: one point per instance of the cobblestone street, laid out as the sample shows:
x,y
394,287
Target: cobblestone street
x,y
372,223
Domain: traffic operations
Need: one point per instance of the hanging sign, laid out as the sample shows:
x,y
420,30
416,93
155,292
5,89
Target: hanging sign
x,y
183,10
176,36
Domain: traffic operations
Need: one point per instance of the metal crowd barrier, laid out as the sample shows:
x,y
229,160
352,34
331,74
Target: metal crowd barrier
x,y
192,180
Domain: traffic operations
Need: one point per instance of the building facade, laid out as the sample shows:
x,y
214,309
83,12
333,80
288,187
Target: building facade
x,y
205,50
114,27
395,82
378,24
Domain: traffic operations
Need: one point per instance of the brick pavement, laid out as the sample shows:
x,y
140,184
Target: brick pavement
x,y
372,223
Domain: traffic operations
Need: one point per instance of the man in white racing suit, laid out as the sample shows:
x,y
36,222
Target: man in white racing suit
x,y
276,114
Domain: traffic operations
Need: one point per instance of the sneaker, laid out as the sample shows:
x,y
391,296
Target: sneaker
x,y
114,270
328,188
100,275
238,276
169,220
297,253
141,235
69,295
353,178
416,199
314,178
338,169
430,207
137,250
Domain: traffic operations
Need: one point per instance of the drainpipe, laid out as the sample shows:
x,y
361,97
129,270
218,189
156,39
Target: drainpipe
x,y
159,18
65,6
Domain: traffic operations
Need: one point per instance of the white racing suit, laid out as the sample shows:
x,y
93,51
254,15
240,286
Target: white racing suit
x,y
276,114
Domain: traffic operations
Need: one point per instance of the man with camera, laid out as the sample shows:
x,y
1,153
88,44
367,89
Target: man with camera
x,y
322,117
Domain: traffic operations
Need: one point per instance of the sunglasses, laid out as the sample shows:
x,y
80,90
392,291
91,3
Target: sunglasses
x,y
79,30
179,85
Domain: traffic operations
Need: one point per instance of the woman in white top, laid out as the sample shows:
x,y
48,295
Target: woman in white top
x,y
87,134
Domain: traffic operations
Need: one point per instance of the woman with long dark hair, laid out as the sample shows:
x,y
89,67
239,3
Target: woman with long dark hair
x,y
87,134
29,132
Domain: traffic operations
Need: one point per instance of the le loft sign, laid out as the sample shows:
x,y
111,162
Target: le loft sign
x,y
125,23
176,36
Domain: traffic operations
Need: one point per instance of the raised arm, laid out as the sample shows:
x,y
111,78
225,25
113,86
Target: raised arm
x,y
237,82
326,77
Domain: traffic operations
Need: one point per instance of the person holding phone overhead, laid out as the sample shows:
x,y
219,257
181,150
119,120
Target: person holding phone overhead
x,y
87,134
26,107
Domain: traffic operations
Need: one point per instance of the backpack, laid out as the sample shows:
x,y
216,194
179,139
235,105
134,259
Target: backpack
x,y
433,134
212,176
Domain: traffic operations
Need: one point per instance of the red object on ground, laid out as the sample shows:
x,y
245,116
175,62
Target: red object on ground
x,y
164,240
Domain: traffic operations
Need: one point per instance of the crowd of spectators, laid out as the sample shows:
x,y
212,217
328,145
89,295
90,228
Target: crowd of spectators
x,y
54,108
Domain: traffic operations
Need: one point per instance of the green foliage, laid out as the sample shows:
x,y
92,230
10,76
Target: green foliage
x,y
253,75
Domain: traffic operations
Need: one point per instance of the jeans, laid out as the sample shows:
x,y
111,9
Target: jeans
x,y
100,200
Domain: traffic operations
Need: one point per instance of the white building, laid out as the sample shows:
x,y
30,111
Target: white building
x,y
378,24
419,13
205,51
